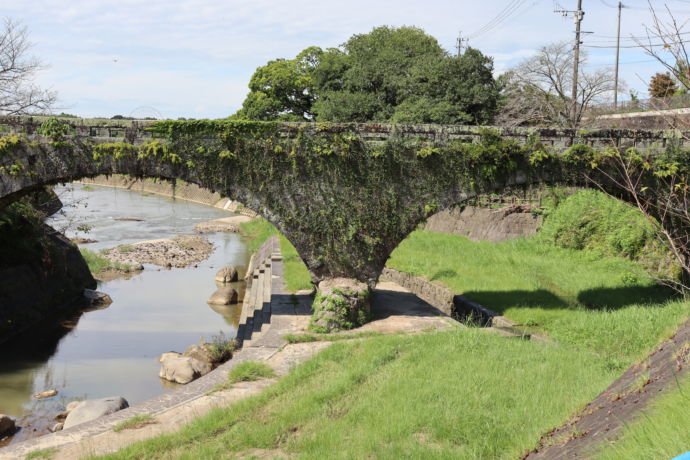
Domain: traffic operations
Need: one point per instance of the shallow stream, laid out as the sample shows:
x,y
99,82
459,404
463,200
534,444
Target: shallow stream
x,y
114,351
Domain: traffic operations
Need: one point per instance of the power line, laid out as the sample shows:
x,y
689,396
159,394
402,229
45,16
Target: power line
x,y
512,9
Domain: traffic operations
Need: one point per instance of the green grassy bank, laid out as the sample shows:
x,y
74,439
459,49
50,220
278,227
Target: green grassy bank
x,y
295,273
457,394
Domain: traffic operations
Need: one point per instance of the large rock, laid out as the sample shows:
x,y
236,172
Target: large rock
x,y
7,425
92,409
198,352
227,275
224,295
340,303
182,369
96,298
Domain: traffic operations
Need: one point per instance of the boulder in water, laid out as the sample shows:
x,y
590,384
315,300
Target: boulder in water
x,y
227,275
92,409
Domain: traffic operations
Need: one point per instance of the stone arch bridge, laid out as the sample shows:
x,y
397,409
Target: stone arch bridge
x,y
345,195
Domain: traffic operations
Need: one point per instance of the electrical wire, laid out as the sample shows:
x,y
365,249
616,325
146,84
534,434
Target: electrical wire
x,y
512,9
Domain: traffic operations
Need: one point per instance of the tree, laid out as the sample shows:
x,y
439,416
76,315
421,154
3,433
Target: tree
x,y
283,89
389,74
18,93
539,90
662,85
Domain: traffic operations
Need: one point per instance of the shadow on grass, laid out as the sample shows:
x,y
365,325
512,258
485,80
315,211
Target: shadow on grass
x,y
590,299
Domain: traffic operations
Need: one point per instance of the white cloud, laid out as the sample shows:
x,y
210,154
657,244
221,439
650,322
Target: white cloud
x,y
195,57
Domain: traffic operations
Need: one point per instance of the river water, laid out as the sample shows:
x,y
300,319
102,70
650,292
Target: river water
x,y
113,351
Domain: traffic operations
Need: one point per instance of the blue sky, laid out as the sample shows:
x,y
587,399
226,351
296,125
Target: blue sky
x,y
194,58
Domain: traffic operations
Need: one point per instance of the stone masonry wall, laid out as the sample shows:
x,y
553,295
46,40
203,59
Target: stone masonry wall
x,y
485,224
435,294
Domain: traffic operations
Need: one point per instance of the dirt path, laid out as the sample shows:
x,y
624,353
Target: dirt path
x,y
600,421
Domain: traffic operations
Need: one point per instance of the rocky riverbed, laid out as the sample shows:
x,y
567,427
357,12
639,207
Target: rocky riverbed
x,y
180,251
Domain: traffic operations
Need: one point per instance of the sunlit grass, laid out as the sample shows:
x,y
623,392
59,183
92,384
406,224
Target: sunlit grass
x,y
295,273
600,305
457,394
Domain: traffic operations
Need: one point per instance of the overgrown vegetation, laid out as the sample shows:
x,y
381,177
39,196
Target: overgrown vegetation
x,y
591,220
397,397
220,347
659,431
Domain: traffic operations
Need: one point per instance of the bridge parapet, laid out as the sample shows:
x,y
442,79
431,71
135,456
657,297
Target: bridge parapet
x,y
559,139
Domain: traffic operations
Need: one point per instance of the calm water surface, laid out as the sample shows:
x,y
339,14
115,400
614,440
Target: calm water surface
x,y
113,351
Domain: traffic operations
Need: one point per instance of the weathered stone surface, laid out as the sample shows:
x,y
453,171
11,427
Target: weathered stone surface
x,y
198,352
92,409
53,284
484,224
97,299
227,275
46,394
223,296
57,427
71,406
182,369
7,425
340,303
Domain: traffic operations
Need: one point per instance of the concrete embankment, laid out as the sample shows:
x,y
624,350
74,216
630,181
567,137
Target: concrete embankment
x,y
179,190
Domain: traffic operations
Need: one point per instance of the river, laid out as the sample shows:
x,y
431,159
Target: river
x,y
114,351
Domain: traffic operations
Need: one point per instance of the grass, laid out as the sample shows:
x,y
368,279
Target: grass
x,y
303,338
219,348
456,394
599,305
97,263
247,371
660,431
43,453
136,422
295,272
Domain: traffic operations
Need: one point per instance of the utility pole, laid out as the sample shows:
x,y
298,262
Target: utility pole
x,y
577,16
618,48
458,43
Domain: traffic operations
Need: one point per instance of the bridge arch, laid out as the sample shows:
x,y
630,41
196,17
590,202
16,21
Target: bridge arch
x,y
345,195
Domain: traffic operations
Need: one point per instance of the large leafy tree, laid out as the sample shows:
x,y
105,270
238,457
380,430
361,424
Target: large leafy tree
x,y
283,89
389,74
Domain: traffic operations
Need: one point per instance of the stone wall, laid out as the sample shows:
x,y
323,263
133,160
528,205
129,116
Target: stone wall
x,y
435,294
485,224
135,131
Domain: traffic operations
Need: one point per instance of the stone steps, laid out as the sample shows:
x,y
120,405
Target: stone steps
x,y
256,308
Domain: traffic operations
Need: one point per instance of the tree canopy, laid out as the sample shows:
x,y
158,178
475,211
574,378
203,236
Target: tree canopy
x,y
387,75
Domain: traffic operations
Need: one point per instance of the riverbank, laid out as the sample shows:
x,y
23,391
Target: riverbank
x,y
178,190
114,351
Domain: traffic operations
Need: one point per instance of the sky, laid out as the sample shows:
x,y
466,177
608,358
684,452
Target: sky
x,y
194,58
